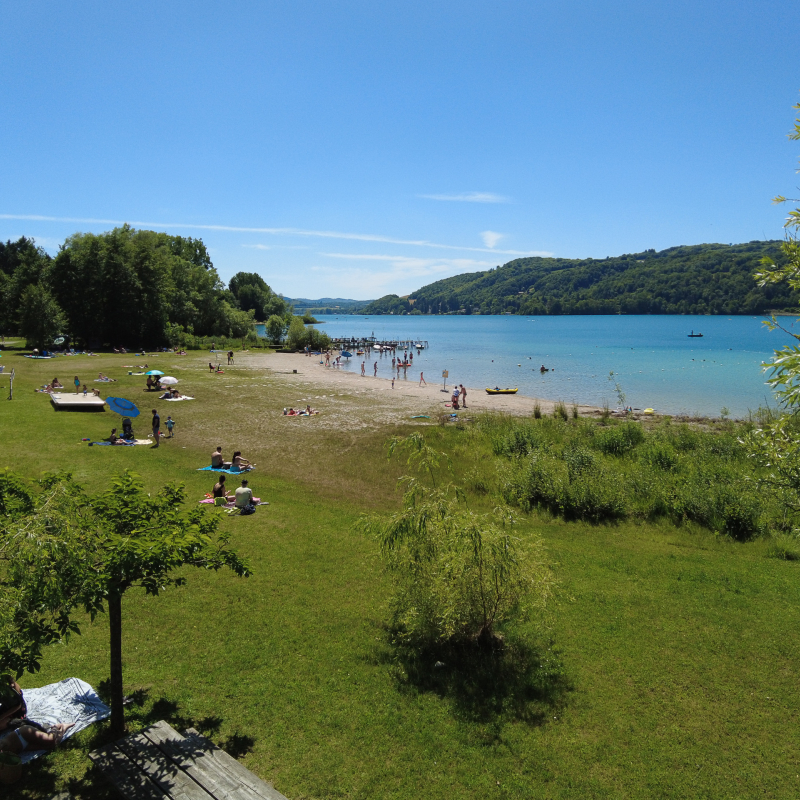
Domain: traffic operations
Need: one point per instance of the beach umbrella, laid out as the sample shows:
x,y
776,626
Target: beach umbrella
x,y
122,406
154,372
168,380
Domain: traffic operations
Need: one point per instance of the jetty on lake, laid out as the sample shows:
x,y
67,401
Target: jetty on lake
x,y
365,342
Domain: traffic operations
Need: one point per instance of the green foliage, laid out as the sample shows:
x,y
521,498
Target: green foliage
x,y
41,319
458,574
389,304
73,553
699,279
253,294
276,327
299,336
598,472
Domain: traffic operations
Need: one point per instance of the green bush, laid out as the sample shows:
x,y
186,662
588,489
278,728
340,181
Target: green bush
x,y
619,439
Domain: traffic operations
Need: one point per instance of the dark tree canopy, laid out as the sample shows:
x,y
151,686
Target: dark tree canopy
x,y
128,287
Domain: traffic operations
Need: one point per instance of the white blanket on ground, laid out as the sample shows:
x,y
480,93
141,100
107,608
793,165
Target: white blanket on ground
x,y
70,700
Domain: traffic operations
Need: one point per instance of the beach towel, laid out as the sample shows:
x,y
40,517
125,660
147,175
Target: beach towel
x,y
176,399
220,469
124,442
232,504
71,700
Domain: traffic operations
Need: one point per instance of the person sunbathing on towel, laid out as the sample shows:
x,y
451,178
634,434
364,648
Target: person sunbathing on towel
x,y
240,463
56,384
17,733
217,461
219,489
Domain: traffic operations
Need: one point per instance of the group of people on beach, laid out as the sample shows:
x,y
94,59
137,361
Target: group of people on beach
x,y
459,396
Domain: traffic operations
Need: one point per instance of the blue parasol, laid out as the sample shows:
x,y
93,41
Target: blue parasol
x,y
122,406
154,372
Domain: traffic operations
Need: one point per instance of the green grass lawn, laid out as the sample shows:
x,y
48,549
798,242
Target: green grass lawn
x,y
666,668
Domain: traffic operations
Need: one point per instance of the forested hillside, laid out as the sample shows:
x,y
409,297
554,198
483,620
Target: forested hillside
x,y
697,279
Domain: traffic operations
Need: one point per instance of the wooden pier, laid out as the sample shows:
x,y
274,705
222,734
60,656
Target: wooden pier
x,y
370,342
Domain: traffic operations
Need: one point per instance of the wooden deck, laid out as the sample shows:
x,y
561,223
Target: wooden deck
x,y
73,402
160,764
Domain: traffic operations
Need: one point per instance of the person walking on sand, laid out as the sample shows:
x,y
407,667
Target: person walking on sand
x,y
463,395
392,381
422,380
156,427
363,366
375,373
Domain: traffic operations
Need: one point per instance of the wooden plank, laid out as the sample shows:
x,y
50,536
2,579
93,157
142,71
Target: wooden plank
x,y
201,767
259,788
125,775
175,783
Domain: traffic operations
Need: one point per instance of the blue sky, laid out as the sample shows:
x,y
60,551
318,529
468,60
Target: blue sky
x,y
353,149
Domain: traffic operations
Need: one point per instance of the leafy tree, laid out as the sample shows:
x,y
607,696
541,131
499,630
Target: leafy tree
x,y
276,327
253,293
64,552
775,446
458,574
40,317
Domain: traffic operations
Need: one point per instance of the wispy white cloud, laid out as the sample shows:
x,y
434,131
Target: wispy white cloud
x,y
491,238
468,197
403,274
258,246
358,237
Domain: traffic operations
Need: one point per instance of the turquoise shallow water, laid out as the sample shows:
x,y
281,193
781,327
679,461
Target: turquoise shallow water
x,y
653,360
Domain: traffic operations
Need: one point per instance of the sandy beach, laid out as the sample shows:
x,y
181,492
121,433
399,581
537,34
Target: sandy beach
x,y
372,402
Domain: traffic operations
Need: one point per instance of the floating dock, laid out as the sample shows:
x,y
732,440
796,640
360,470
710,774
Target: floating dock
x,y
77,402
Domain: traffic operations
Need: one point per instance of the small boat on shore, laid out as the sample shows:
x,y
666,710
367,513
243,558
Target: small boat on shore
x,y
498,390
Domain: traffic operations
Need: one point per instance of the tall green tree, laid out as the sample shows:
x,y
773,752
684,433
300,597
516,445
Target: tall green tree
x,y
64,552
776,446
40,317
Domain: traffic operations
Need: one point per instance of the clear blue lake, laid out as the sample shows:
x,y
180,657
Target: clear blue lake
x,y
654,361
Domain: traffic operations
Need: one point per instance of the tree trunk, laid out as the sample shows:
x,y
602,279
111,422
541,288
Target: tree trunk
x,y
115,625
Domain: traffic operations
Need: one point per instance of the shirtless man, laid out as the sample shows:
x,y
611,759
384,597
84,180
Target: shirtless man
x,y
217,461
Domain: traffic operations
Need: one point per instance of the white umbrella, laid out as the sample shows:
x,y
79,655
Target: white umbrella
x,y
168,381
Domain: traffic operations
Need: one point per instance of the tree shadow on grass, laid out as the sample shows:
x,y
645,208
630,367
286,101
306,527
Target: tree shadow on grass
x,y
43,777
488,686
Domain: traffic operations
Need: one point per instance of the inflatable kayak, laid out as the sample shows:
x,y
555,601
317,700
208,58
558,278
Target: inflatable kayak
x,y
497,390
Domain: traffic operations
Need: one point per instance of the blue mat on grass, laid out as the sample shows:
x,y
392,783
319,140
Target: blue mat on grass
x,y
220,469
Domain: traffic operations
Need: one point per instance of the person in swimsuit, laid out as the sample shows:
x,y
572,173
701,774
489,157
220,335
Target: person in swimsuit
x,y
217,461
240,463
17,733
219,489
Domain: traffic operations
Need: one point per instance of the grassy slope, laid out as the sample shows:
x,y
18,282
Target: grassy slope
x,y
678,651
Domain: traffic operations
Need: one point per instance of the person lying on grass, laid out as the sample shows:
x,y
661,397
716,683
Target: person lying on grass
x,y
17,733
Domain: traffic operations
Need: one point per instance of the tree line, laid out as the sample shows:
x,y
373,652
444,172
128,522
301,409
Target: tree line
x,y
130,288
697,279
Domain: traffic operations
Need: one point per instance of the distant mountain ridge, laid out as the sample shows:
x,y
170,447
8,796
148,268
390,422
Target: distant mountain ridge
x,y
693,279
327,305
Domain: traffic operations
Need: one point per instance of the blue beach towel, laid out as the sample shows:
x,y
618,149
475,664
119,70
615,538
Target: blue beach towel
x,y
108,444
220,469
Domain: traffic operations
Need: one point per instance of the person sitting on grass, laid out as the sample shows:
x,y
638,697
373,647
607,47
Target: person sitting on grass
x,y
17,732
217,461
219,489
56,384
240,463
150,383
244,497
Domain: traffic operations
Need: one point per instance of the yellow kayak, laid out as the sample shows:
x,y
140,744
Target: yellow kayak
x,y
497,390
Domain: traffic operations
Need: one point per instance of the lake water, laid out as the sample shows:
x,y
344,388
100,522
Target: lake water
x,y
653,360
